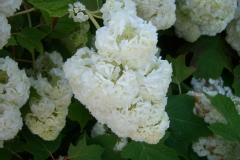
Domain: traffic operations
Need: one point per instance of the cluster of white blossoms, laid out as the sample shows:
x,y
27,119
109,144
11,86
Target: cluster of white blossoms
x,y
7,8
208,17
5,30
14,92
124,86
100,129
233,31
203,107
76,12
160,12
216,148
213,147
49,110
78,38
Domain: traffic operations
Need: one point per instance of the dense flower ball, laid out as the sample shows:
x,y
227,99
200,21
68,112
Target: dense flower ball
x,y
211,16
233,34
216,148
203,107
110,7
49,111
119,96
127,38
160,12
8,7
10,121
15,87
5,30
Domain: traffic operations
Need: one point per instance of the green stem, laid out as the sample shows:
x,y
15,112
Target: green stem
x,y
28,15
24,12
179,88
92,19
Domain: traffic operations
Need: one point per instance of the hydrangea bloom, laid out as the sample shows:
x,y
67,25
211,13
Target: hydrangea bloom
x,y
185,29
160,12
213,147
10,121
76,12
203,107
216,148
49,112
127,38
8,7
110,7
5,30
211,16
118,96
15,88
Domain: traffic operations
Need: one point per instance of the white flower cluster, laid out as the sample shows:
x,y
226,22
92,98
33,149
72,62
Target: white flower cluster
x,y
78,38
160,12
208,17
49,112
124,86
8,7
14,92
127,38
213,147
5,30
99,129
110,7
203,107
216,148
233,31
76,12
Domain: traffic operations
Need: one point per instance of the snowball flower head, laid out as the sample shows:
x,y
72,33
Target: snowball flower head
x,y
160,12
76,12
8,7
129,39
203,107
110,7
215,147
10,120
5,30
49,111
15,88
211,16
113,93
233,34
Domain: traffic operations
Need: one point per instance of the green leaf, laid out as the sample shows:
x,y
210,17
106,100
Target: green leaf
x,y
47,17
84,152
180,71
55,8
5,154
38,147
181,147
107,142
63,27
226,107
11,42
210,56
30,38
4,53
142,151
185,126
236,83
92,5
78,112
